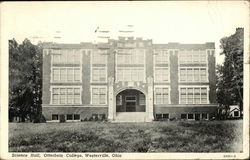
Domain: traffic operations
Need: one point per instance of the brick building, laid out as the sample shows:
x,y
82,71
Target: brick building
x,y
129,80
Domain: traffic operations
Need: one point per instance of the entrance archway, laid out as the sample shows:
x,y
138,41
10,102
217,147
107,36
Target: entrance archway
x,y
130,100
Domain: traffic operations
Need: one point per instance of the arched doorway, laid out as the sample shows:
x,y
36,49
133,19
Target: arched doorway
x,y
130,100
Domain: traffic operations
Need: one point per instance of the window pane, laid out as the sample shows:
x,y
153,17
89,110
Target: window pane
x,y
190,116
54,116
76,116
77,74
70,74
190,74
69,117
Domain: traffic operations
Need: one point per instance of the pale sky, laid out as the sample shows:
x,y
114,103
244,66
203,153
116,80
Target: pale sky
x,y
163,22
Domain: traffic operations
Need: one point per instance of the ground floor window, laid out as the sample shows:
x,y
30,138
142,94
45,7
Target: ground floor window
x,y
204,116
162,95
55,117
183,116
66,95
162,116
193,95
99,95
190,116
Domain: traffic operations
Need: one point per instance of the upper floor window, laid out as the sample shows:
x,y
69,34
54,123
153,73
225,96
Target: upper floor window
x,y
130,74
130,56
161,74
162,95
66,74
193,95
192,57
99,95
66,56
189,74
99,57
99,74
66,95
161,57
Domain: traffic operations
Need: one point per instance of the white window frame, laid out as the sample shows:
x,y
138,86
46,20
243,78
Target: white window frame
x,y
155,80
105,66
130,69
59,52
130,65
179,74
106,73
60,81
169,91
91,94
194,86
65,87
192,60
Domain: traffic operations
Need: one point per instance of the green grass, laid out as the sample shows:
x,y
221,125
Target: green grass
x,y
207,136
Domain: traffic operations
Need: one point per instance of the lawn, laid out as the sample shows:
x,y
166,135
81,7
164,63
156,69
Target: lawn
x,y
173,136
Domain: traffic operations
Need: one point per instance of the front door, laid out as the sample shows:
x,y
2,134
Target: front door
x,y
130,103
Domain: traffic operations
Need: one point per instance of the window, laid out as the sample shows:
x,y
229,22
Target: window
x,y
192,56
99,74
161,57
236,113
189,74
165,116
190,116
204,116
99,95
162,95
161,74
142,99
130,56
55,117
66,56
130,74
69,117
183,116
193,95
76,116
66,95
69,74
99,57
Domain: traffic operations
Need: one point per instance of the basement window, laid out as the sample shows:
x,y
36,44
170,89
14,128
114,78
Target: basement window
x,y
183,116
69,117
54,116
204,116
165,116
190,116
76,116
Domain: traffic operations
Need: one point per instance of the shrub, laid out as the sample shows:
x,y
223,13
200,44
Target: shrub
x,y
39,119
62,118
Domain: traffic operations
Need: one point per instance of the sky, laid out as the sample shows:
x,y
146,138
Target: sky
x,y
163,22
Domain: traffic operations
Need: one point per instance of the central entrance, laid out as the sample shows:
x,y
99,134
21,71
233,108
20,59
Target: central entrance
x,y
130,100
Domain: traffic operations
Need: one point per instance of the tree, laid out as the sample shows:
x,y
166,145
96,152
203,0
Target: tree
x,y
230,73
25,80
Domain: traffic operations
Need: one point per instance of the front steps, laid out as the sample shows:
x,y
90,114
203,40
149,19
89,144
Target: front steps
x,y
130,117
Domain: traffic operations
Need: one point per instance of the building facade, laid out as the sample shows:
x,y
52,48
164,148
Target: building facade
x,y
129,78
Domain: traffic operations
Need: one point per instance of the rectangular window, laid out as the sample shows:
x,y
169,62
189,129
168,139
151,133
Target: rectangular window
x,y
54,116
76,116
132,74
165,116
130,56
204,116
161,57
189,74
183,74
69,117
192,57
99,95
99,74
161,74
99,57
142,99
183,116
193,95
66,56
161,95
69,74
190,116
67,95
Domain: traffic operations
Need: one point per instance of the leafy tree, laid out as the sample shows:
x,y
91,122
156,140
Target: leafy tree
x,y
25,80
230,73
